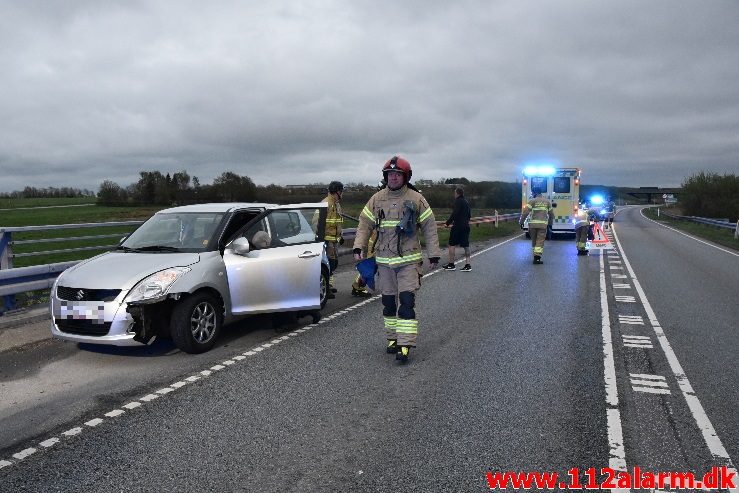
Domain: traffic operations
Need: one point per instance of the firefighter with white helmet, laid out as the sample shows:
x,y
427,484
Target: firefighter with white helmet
x,y
542,217
397,212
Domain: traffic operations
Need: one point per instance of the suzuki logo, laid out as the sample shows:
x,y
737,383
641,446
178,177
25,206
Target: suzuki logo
x,y
80,294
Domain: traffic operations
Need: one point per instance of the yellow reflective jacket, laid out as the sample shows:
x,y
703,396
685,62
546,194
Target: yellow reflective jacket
x,y
383,212
541,213
334,220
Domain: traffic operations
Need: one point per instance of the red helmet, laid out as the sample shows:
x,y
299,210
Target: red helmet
x,y
398,164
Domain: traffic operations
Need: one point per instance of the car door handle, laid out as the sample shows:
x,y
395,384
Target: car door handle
x,y
308,254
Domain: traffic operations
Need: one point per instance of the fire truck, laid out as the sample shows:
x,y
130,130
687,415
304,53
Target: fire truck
x,y
561,186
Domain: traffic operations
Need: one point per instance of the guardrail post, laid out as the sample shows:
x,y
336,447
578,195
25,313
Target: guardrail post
x,y
657,211
736,231
6,262
496,218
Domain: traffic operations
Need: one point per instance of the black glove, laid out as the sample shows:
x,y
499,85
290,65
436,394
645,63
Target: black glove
x,y
341,241
521,224
357,251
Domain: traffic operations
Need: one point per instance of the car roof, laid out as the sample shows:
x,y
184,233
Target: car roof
x,y
216,207
232,206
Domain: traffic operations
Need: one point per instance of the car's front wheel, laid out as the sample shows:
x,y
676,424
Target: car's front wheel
x,y
324,286
196,323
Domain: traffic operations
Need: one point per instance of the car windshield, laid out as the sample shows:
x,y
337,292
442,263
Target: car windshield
x,y
174,232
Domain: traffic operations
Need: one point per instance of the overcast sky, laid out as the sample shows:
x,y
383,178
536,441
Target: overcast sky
x,y
639,93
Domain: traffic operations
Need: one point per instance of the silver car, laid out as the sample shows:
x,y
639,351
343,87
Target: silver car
x,y
189,270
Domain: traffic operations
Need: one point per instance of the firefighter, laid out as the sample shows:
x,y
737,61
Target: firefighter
x,y
332,234
397,212
582,226
540,222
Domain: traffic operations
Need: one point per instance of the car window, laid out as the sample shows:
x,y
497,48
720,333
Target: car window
x,y
238,221
294,226
188,231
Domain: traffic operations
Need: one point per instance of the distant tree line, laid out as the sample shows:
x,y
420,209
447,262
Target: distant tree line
x,y
154,188
711,195
47,193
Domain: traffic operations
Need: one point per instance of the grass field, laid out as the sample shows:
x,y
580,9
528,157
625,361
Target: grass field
x,y
19,203
720,236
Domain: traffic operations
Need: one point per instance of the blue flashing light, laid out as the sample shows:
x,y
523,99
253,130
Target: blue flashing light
x,y
596,199
539,171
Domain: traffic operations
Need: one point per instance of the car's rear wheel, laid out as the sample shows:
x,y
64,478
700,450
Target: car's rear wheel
x,y
324,286
196,323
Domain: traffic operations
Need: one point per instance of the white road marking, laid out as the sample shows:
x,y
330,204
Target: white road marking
x,y
630,319
5,463
617,459
114,413
637,341
621,286
132,405
149,397
50,442
626,299
217,367
711,438
24,453
165,390
73,432
689,236
239,357
228,362
94,422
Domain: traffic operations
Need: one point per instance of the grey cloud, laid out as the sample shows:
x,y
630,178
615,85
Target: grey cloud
x,y
291,92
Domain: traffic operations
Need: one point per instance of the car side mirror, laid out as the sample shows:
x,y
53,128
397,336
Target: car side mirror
x,y
240,246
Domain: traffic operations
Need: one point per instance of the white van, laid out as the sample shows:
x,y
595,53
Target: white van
x,y
561,186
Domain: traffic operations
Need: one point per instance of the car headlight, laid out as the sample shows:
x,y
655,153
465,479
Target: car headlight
x,y
156,285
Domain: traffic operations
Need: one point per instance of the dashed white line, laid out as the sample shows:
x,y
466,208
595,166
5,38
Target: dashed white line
x,y
49,443
24,453
72,432
711,438
5,463
114,413
94,422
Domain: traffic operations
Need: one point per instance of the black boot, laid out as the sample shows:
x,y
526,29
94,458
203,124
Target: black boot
x,y
392,346
537,259
402,354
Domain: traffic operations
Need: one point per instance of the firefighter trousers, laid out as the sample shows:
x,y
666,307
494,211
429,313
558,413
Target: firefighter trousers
x,y
398,286
538,235
581,237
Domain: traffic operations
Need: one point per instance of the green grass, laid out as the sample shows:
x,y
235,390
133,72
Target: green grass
x,y
7,203
720,236
72,215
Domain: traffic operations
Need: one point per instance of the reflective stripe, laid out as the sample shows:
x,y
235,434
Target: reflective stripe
x,y
339,220
407,326
390,322
368,214
414,257
426,214
389,223
332,238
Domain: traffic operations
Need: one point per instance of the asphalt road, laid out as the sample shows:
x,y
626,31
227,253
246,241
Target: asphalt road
x,y
511,374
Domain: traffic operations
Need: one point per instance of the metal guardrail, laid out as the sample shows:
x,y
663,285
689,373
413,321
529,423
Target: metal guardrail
x,y
719,223
24,279
16,280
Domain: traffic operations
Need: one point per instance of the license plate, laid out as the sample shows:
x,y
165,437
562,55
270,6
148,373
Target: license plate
x,y
93,311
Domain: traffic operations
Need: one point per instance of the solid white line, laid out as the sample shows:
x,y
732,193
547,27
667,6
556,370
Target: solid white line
x,y
617,459
689,236
715,446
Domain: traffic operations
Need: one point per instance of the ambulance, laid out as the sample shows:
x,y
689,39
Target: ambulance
x,y
561,186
